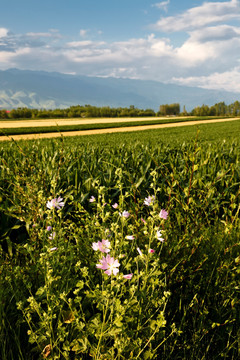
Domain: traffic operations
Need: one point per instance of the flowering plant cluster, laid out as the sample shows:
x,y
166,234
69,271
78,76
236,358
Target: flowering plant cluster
x,y
108,263
126,249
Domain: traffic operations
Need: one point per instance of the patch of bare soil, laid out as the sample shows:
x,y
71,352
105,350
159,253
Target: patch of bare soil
x,y
54,122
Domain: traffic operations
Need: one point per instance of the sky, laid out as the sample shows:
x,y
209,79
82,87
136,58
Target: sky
x,y
194,43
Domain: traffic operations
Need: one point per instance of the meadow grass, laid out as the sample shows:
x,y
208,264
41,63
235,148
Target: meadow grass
x,y
173,292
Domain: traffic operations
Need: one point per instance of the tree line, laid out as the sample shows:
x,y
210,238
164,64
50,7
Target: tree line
x,y
89,111
219,109
78,111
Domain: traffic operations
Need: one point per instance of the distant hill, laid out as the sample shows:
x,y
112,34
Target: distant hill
x,y
50,90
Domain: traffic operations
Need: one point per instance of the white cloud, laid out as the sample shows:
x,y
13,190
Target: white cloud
x,y
51,34
228,80
38,35
83,32
3,32
76,44
200,16
152,57
9,59
216,33
214,46
162,5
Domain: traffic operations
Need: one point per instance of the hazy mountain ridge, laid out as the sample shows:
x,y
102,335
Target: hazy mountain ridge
x,y
39,89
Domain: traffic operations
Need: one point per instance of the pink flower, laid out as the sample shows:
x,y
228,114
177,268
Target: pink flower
x,y
125,214
129,237
52,236
151,251
128,276
149,200
109,264
144,221
49,228
163,214
55,203
101,246
92,199
115,206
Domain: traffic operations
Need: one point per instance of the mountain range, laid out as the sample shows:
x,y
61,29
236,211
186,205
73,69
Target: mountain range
x,y
51,90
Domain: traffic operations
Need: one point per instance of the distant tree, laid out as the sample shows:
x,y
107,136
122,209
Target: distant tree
x,y
221,108
147,112
169,109
184,112
201,110
236,108
4,114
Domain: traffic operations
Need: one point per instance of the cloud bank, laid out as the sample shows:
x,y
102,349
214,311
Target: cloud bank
x,y
209,55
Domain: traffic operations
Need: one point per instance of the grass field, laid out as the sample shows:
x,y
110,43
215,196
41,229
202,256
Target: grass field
x,y
164,283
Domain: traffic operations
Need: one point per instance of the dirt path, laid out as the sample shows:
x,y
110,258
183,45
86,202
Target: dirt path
x,y
11,124
113,130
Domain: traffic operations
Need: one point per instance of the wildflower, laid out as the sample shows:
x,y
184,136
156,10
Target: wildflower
x,y
52,236
149,200
159,236
151,251
101,246
139,251
55,203
128,276
92,199
53,249
109,264
129,237
49,228
144,221
163,214
115,206
125,214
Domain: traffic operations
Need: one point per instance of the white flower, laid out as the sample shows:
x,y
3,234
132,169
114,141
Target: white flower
x,y
55,203
159,236
129,237
149,200
53,249
52,236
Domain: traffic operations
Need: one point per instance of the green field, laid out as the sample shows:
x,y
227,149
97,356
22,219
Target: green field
x,y
176,294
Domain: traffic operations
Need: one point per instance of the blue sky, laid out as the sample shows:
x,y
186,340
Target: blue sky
x,y
195,43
